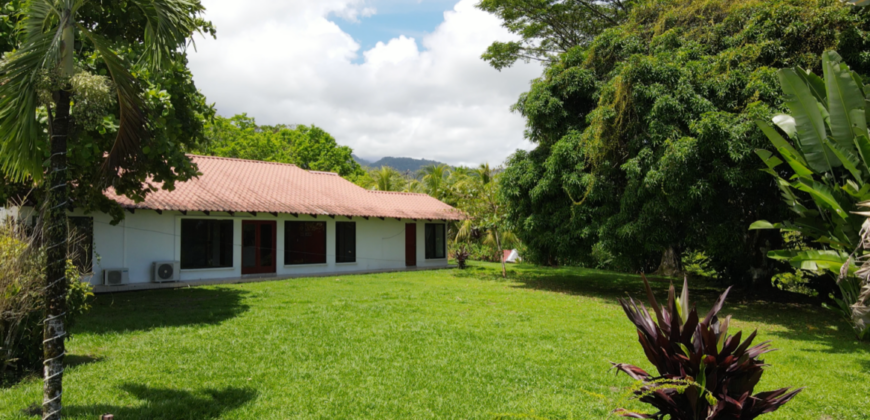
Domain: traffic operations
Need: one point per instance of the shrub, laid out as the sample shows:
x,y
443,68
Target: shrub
x,y
461,256
703,372
22,262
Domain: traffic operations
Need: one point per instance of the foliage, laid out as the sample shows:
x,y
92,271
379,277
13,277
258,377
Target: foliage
x,y
478,196
461,257
645,138
171,102
22,268
703,372
827,171
854,303
308,147
549,27
697,264
434,179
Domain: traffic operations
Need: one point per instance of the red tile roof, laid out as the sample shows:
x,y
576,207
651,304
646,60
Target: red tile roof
x,y
237,185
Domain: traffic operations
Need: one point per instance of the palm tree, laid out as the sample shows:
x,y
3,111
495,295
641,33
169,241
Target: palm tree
x,y
484,173
48,30
434,177
387,179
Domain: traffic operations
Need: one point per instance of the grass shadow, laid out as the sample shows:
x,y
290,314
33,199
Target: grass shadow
x,y
73,360
162,403
112,313
800,321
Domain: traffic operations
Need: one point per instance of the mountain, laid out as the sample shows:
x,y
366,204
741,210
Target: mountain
x,y
361,161
401,164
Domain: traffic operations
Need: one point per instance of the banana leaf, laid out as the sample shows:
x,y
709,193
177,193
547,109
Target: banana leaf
x,y
821,194
847,158
844,95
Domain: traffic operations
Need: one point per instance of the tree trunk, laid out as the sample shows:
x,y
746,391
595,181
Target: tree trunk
x,y
54,214
500,255
670,264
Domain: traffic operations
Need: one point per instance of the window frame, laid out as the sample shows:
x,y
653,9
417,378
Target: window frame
x,y
430,241
288,237
338,242
231,247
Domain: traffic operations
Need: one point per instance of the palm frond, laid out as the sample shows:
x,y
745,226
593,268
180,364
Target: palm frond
x,y
134,127
170,24
464,231
21,154
489,239
509,239
39,17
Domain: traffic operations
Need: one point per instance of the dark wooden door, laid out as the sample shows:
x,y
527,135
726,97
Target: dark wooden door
x,y
411,245
259,238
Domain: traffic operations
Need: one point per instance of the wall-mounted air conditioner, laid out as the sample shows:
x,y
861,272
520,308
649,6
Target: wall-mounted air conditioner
x,y
165,271
116,276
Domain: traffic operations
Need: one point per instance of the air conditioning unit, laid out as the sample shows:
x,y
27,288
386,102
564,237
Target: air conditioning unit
x,y
165,271
116,276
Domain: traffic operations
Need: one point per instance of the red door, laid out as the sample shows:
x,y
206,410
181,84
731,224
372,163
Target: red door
x,y
411,245
258,246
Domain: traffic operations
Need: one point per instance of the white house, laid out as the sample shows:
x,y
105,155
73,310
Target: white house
x,y
242,220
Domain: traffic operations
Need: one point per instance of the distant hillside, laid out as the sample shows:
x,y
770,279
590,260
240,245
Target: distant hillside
x,y
401,164
361,161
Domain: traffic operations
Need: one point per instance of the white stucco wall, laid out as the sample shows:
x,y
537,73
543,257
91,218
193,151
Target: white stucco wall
x,y
146,236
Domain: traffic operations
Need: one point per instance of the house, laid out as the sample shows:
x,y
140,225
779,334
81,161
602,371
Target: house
x,y
245,219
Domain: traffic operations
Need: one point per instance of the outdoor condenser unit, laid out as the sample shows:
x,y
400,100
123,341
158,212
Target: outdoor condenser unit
x,y
165,271
116,276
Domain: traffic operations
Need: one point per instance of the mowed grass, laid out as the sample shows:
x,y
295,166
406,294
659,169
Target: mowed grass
x,y
438,344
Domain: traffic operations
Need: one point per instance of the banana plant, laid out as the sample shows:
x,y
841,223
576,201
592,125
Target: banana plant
x,y
827,163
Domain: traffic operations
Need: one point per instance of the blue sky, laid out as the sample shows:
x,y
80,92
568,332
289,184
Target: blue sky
x,y
412,18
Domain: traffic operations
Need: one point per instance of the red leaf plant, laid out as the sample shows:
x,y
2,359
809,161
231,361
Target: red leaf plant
x,y
703,372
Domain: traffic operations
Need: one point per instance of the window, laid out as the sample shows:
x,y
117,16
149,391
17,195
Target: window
x,y
435,241
304,243
345,242
206,243
82,242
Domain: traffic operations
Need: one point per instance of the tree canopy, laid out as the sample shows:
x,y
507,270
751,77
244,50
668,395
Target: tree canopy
x,y
645,137
548,28
175,108
308,147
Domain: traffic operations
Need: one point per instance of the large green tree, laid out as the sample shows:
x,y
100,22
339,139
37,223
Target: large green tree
x,y
82,104
308,147
645,137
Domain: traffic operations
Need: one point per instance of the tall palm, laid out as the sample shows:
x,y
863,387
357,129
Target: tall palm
x,y
484,173
434,177
48,35
387,179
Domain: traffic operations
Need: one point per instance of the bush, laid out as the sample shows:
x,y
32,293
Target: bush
x,y
22,262
703,372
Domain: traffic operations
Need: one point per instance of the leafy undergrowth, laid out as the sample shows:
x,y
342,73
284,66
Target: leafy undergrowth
x,y
435,344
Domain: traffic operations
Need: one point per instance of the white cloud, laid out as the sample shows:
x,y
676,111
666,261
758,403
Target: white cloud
x,y
285,62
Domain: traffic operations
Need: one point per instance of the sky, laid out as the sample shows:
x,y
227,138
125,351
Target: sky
x,y
385,77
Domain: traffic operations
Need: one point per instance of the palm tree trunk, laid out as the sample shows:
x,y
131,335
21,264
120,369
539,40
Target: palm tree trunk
x,y
56,247
56,234
500,255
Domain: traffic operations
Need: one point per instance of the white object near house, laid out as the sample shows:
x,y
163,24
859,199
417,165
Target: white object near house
x,y
511,256
243,220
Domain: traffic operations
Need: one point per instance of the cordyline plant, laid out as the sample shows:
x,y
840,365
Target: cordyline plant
x,y
703,372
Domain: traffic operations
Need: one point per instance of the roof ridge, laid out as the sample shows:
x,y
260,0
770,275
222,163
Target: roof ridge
x,y
241,160
322,173
397,193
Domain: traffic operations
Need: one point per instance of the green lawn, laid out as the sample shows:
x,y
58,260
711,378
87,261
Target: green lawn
x,y
436,344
